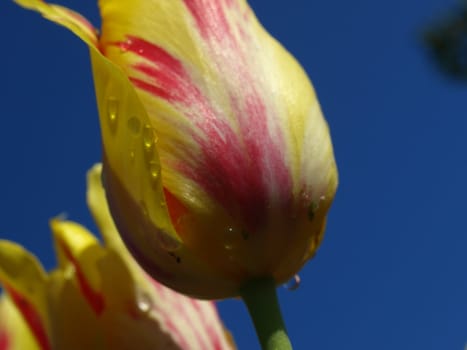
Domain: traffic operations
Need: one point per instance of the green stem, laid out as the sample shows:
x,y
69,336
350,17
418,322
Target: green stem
x,y
261,300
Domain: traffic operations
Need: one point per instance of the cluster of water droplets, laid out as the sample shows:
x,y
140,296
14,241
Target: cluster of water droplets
x,y
127,44
230,239
148,140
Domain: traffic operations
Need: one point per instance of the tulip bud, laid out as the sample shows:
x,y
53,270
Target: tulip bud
x,y
218,163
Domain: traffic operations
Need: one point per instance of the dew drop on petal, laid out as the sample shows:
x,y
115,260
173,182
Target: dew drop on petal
x,y
154,170
230,239
143,302
148,137
167,242
125,46
293,283
112,109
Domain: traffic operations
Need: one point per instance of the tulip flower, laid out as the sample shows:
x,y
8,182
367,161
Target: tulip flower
x,y
217,162
97,297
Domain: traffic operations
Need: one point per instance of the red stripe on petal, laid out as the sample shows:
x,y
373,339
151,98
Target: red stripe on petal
x,y
95,299
209,324
151,88
32,318
237,170
166,80
167,77
210,19
175,332
151,52
173,309
163,295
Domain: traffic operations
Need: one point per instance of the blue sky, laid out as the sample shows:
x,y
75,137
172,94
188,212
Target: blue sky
x,y
392,270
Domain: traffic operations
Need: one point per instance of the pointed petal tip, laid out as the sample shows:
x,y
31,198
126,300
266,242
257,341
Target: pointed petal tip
x,y
65,17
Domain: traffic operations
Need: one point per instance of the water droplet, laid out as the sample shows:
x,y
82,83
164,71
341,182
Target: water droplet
x,y
166,241
293,284
112,109
154,170
230,238
125,46
148,137
134,125
132,156
144,302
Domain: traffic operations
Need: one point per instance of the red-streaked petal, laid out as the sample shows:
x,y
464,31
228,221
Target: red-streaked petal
x,y
77,247
32,318
15,333
196,325
24,279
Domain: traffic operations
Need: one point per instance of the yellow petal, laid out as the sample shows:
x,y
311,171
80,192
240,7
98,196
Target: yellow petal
x,y
75,324
78,249
20,270
128,137
66,17
97,203
14,331
24,279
